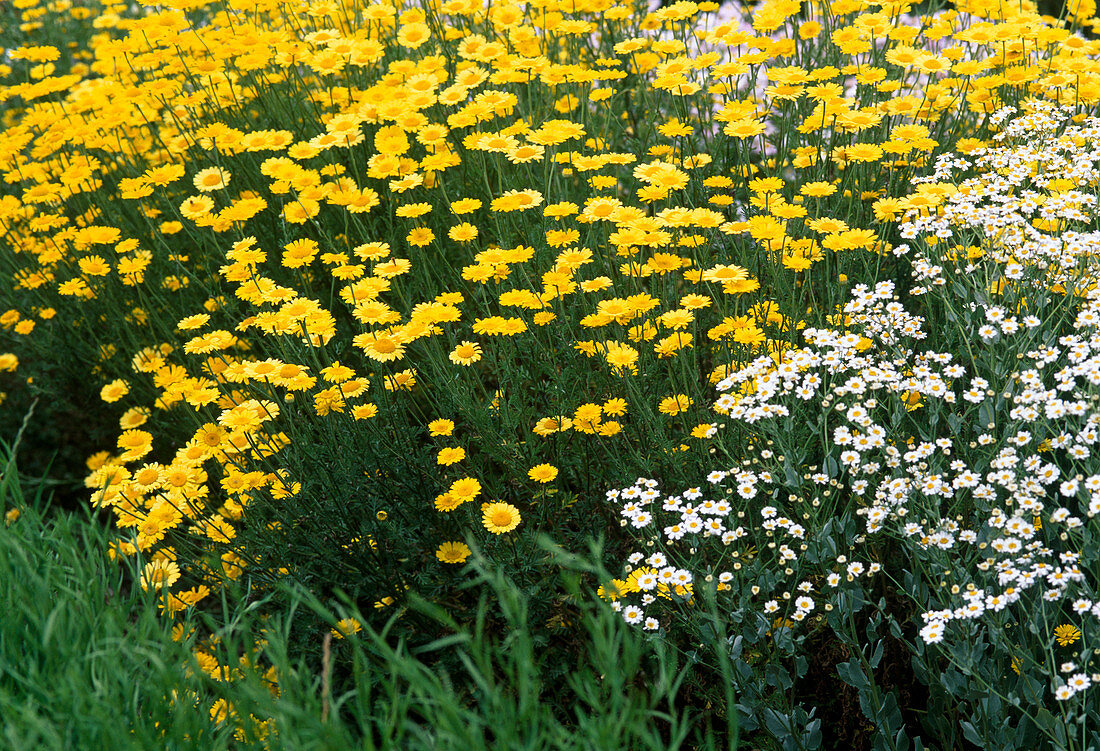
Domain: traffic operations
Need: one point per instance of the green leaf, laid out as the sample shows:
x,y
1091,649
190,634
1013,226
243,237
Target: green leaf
x,y
851,672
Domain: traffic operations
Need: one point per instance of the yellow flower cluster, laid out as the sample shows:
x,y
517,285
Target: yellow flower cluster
x,y
338,211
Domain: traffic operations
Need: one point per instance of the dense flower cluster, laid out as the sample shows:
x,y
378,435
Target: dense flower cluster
x,y
368,284
980,460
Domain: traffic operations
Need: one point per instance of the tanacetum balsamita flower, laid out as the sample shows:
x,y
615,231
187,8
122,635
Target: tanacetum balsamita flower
x,y
465,353
158,574
543,472
420,236
441,427
212,178
196,206
364,411
114,390
465,205
500,517
516,200
191,323
465,489
674,405
450,455
445,502
453,552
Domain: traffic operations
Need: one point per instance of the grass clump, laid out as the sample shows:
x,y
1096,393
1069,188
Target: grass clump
x,y
86,661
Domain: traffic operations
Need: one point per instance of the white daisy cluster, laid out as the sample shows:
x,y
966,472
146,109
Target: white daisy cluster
x,y
759,390
979,460
675,527
1034,209
1003,498
1029,205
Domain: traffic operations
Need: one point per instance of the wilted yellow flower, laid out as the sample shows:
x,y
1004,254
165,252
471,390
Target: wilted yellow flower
x,y
1066,634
